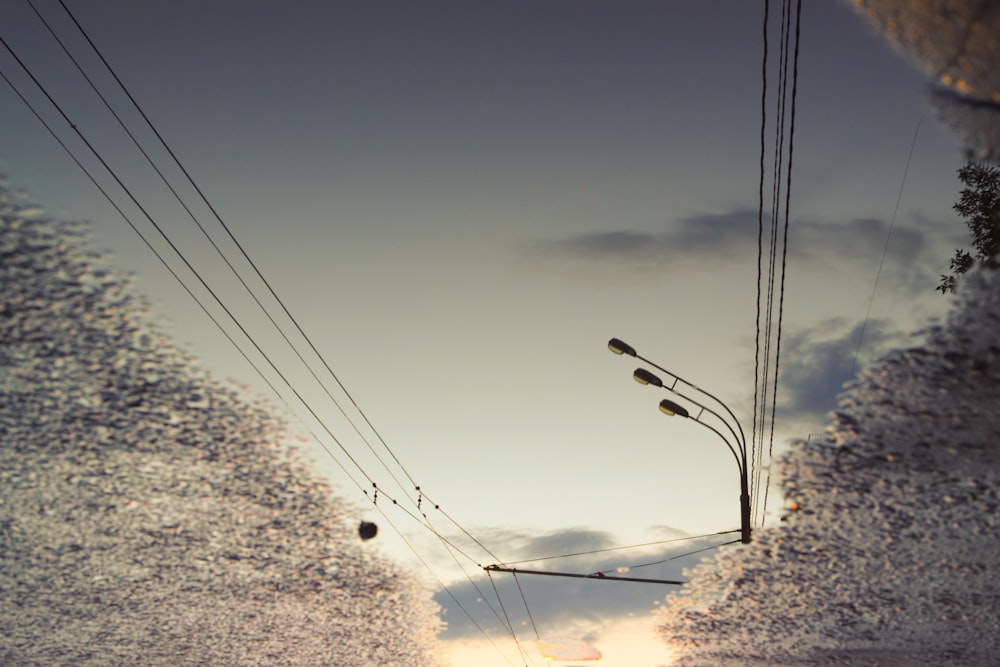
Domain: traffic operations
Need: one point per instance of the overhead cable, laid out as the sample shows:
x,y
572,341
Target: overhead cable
x,y
784,253
631,546
770,300
277,298
885,247
449,545
212,241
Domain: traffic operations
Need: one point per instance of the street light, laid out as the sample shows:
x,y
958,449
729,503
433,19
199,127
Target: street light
x,y
621,347
618,346
671,409
642,376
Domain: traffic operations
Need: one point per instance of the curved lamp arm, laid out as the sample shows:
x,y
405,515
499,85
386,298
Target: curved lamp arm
x,y
670,408
619,346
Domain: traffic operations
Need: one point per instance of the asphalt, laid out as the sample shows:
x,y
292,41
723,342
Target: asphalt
x,y
152,515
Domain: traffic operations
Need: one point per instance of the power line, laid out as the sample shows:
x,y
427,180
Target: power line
x,y
769,323
280,302
160,257
779,153
482,596
761,380
779,138
177,251
246,286
784,253
447,590
526,607
631,546
677,557
760,228
214,245
885,248
128,220
510,626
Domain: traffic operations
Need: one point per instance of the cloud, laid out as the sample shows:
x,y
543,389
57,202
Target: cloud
x,y
560,605
816,362
524,545
718,238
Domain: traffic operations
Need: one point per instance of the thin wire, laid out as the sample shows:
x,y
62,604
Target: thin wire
x,y
128,220
667,560
784,255
269,287
445,587
779,137
760,229
218,217
779,155
176,250
450,548
885,248
632,546
203,282
207,287
510,626
478,627
779,134
156,253
195,219
526,607
461,528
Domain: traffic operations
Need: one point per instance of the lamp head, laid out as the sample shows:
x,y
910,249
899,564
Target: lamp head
x,y
671,409
642,376
621,347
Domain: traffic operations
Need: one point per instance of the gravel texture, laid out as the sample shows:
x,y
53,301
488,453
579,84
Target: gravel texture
x,y
149,515
887,554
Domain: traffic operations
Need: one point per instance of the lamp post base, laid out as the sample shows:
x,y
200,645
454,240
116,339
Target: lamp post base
x,y
745,529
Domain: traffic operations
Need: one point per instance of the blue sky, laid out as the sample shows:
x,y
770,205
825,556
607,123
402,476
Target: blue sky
x,y
461,203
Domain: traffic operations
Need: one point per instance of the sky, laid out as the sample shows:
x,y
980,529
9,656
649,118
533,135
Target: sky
x,y
462,202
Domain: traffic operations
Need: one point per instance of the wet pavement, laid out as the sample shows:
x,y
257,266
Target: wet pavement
x,y
152,515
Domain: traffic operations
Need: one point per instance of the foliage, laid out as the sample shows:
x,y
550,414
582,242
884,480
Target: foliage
x,y
979,204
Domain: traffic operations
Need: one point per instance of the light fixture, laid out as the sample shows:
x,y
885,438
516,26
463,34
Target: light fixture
x,y
670,409
642,376
621,347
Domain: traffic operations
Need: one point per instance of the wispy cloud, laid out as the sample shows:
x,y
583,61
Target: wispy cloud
x,y
816,362
519,545
719,238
